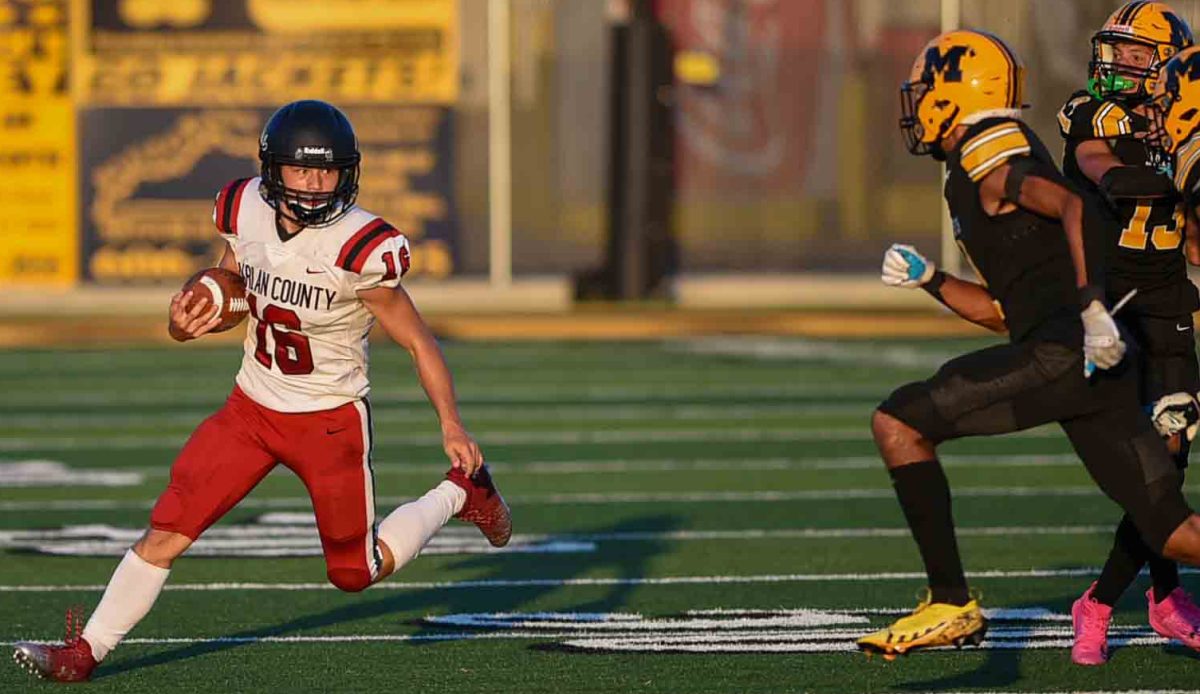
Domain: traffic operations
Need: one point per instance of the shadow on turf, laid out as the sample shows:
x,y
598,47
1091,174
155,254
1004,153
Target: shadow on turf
x,y
624,560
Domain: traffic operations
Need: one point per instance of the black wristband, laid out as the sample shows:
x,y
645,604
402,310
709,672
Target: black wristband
x,y
934,285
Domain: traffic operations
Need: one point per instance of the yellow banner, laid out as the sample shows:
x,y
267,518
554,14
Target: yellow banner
x,y
38,230
204,53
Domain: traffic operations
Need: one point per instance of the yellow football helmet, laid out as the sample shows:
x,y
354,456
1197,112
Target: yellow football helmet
x,y
959,78
1177,100
1152,24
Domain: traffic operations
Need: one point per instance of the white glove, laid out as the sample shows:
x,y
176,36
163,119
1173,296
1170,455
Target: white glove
x,y
1174,413
1102,344
904,267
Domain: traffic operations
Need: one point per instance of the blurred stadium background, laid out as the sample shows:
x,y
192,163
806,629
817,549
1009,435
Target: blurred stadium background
x,y
698,153
583,170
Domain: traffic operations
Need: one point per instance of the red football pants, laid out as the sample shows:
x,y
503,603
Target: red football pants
x,y
235,448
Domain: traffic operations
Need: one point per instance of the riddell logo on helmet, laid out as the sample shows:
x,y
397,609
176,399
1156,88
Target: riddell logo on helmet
x,y
307,152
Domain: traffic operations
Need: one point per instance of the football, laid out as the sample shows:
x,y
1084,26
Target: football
x,y
223,288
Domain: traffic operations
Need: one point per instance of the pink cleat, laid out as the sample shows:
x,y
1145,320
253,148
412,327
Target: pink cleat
x,y
1090,620
1176,617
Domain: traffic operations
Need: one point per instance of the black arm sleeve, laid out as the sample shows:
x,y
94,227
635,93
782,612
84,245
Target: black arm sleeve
x,y
1098,230
1125,182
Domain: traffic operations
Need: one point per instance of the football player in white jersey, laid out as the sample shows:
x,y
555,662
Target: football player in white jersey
x,y
319,273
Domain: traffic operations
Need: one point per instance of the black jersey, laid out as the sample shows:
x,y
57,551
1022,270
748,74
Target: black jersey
x,y
1187,173
1021,257
1145,251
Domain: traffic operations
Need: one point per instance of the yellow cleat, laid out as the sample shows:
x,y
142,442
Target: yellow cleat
x,y
932,624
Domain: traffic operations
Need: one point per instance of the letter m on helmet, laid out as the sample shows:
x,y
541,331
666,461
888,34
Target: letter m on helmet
x,y
949,64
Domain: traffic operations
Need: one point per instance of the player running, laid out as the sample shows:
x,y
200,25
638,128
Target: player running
x,y
1106,156
319,273
1022,229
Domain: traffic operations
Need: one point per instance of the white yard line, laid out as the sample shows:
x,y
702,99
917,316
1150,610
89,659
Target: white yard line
x,y
420,412
873,577
670,392
807,350
349,638
633,465
299,529
531,437
25,506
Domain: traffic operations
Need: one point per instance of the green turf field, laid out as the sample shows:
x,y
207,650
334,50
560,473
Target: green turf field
x,y
702,516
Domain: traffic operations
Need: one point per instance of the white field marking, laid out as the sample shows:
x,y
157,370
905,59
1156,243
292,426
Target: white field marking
x,y
573,498
600,622
296,520
670,392
349,638
796,630
265,540
294,535
301,548
52,473
502,438
603,466
873,577
422,412
801,349
595,498
784,642
1011,614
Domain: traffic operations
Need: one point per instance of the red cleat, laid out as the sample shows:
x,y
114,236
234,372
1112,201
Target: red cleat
x,y
484,506
70,662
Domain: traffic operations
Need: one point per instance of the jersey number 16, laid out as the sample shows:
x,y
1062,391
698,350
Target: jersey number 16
x,y
293,355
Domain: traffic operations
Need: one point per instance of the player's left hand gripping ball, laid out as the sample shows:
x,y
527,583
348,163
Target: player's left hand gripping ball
x,y
1102,343
904,267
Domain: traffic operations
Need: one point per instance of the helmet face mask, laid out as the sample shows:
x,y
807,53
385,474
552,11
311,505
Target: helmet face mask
x,y
307,207
309,134
1112,73
911,94
1131,47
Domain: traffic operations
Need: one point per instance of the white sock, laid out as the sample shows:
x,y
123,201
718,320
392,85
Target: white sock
x,y
130,594
406,530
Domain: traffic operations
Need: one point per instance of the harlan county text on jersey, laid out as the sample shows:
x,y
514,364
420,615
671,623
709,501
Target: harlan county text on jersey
x,y
284,290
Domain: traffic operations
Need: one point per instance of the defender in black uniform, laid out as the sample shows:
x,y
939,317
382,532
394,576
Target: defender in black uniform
x,y
1018,222
1107,158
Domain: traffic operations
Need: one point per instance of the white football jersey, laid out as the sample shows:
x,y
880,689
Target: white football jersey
x,y
306,342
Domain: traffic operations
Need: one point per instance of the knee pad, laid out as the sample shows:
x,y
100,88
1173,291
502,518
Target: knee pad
x,y
913,404
349,580
1160,506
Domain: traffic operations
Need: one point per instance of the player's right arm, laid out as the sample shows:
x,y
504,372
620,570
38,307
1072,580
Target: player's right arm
x,y
1093,126
903,266
188,322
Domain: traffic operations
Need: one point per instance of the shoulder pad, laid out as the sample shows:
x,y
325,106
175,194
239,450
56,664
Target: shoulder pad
x,y
991,148
225,210
1084,117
